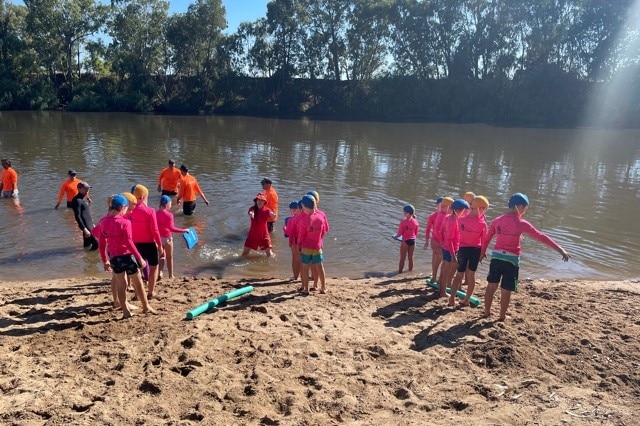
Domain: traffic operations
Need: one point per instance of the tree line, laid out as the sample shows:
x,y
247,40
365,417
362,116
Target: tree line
x,y
533,62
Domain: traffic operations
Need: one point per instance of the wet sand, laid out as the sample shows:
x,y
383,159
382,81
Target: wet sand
x,y
378,351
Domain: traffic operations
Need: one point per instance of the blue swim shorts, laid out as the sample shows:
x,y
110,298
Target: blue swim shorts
x,y
310,256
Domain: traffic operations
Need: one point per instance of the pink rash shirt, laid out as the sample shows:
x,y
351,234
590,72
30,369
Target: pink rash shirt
x,y
166,224
324,216
437,226
292,229
116,232
431,221
451,234
509,229
311,229
145,225
473,229
408,229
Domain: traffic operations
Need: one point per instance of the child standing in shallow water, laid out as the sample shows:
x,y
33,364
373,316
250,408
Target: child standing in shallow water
x,y
258,237
291,232
311,228
505,258
408,230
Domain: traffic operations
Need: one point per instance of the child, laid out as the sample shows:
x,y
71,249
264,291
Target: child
x,y
258,237
473,229
505,258
436,250
450,237
311,228
166,226
291,232
408,230
123,255
436,234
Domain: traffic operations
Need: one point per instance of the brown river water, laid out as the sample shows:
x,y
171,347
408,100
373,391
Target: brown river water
x,y
584,187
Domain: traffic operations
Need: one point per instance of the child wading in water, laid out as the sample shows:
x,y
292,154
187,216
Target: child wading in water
x,y
505,258
450,244
473,229
291,232
407,231
166,226
258,237
311,228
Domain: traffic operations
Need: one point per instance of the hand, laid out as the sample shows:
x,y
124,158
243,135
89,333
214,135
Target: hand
x,y
206,202
142,263
565,255
251,214
178,202
426,245
159,188
56,206
107,267
482,256
86,232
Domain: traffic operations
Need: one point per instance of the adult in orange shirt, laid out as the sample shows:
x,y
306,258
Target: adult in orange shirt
x,y
8,180
69,187
169,180
272,201
189,188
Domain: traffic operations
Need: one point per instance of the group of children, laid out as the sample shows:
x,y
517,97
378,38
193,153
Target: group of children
x,y
459,237
304,230
132,237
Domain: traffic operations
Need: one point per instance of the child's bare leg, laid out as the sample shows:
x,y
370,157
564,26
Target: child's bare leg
x,y
403,255
153,277
436,260
410,256
488,298
295,262
245,251
121,285
114,291
470,277
454,287
304,274
319,267
505,298
136,280
442,283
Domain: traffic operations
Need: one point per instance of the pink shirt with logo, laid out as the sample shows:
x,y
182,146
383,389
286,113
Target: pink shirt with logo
x,y
166,223
291,229
408,229
451,234
473,229
145,225
115,231
311,229
508,229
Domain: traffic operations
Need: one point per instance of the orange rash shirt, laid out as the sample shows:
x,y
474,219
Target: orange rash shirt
x,y
272,203
169,178
70,187
9,179
189,188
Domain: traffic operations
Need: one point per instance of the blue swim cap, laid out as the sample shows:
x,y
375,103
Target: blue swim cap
x,y
459,204
293,205
518,199
409,209
439,200
308,201
119,201
164,200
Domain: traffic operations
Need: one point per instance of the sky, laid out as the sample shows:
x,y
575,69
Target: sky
x,y
237,10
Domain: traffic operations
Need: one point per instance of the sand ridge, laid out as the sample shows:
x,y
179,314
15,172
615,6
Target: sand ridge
x,y
374,351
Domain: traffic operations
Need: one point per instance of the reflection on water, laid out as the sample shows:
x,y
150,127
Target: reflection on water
x,y
584,187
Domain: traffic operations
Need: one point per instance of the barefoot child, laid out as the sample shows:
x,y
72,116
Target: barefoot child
x,y
408,230
291,232
450,244
436,250
258,237
445,207
123,255
311,228
166,227
473,229
505,258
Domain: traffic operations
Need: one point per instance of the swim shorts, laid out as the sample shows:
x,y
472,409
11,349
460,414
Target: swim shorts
x,y
188,207
310,256
411,242
468,257
505,273
149,252
125,263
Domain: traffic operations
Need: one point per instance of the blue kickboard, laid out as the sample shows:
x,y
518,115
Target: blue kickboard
x,y
190,238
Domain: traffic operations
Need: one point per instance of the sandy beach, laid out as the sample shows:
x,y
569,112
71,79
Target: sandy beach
x,y
378,351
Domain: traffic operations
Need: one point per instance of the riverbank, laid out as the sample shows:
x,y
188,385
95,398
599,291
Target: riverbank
x,y
371,351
